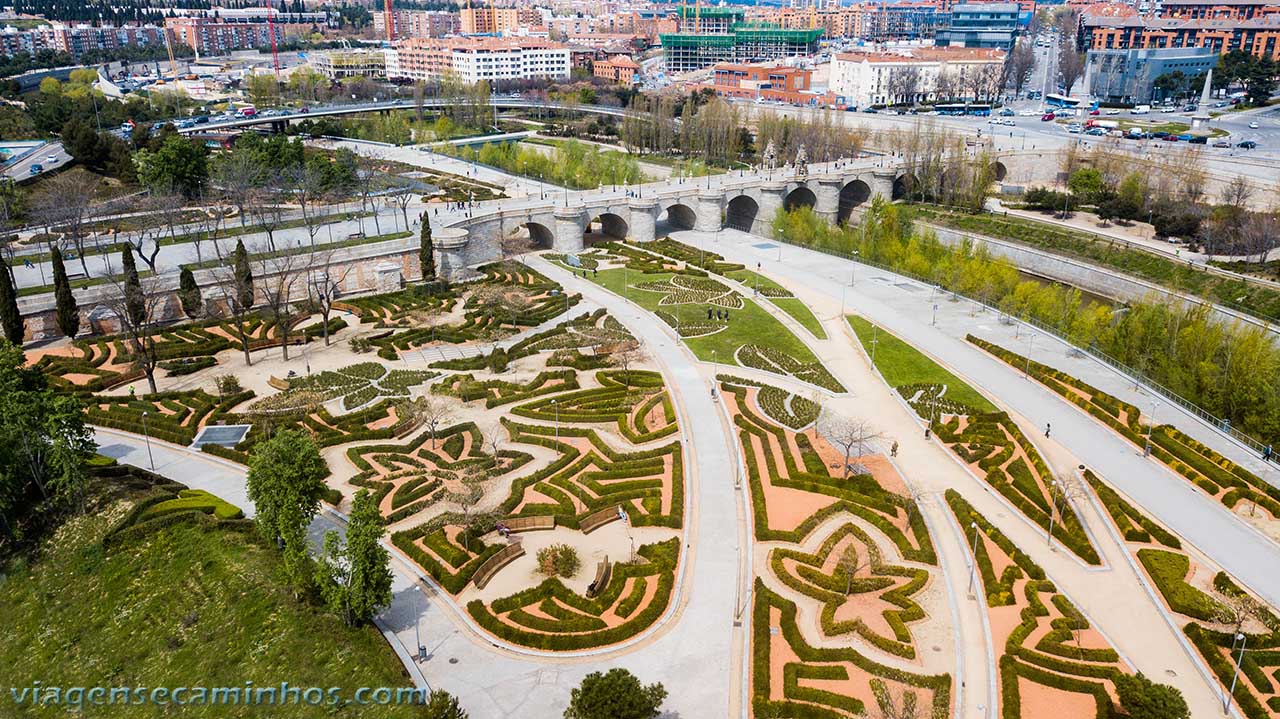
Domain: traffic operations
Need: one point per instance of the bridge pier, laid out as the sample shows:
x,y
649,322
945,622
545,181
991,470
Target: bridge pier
x,y
882,184
450,244
772,197
828,198
708,211
643,220
568,229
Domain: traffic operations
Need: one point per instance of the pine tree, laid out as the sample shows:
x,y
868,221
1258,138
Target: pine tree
x,y
10,317
426,252
189,294
244,275
67,312
134,301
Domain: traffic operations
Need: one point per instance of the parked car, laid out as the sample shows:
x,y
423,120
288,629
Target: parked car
x,y
1159,134
37,168
1007,112
1095,111
1247,144
1221,143
1253,125
1047,117
1028,113
1113,111
1190,107
1096,131
1168,109
201,119
1199,140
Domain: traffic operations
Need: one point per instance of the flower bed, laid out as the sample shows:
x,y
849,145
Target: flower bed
x,y
773,360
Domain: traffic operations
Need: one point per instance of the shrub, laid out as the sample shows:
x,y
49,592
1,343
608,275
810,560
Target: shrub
x,y
558,560
227,384
1142,698
359,345
1168,571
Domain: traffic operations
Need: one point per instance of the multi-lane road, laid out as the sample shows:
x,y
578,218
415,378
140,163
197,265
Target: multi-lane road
x,y
49,157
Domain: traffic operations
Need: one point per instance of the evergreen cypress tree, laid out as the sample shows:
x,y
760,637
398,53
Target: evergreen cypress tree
x,y
134,302
10,317
189,293
426,252
244,275
67,312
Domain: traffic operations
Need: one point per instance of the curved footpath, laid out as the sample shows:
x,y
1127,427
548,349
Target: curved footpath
x,y
694,654
905,306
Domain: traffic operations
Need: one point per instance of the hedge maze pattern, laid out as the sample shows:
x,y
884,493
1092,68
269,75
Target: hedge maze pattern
x,y
783,407
829,561
1216,475
357,385
1052,645
170,416
551,616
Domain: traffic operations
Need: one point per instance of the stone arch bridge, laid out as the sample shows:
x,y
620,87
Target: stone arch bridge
x,y
747,203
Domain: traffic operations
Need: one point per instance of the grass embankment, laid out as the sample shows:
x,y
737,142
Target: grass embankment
x,y
901,364
574,164
1248,297
750,325
183,606
792,306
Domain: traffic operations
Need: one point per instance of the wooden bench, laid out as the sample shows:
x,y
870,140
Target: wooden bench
x,y
280,384
604,570
530,524
356,236
599,518
505,556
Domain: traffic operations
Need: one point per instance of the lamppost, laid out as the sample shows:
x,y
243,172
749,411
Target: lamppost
x,y
1151,423
1226,697
1054,486
973,558
556,407
782,236
1031,346
146,436
934,322
875,340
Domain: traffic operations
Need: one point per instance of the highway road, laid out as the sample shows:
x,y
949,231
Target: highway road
x,y
50,157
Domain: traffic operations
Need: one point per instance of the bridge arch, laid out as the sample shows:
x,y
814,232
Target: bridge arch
x,y
610,227
852,195
999,171
741,212
676,216
800,197
528,236
903,185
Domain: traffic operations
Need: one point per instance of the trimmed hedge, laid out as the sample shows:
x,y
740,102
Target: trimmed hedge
x,y
1168,571
1133,524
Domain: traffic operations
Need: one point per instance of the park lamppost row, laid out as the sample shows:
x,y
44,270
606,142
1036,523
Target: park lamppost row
x,y
146,436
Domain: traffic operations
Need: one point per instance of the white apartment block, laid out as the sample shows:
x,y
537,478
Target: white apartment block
x,y
920,75
476,59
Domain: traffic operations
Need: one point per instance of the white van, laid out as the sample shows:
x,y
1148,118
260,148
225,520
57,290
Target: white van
x,y
1142,110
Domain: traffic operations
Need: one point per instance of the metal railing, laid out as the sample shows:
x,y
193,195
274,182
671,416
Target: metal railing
x,y
1221,424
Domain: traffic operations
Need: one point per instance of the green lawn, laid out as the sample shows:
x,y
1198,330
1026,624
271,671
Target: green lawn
x,y
901,364
184,606
792,306
750,325
801,312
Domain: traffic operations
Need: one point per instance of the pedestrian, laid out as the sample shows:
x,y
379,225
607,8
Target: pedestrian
x,y
1266,454
893,451
927,431
708,313
595,272
1047,427
726,315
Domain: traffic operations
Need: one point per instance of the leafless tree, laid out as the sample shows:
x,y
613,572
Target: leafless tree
x,y
1235,609
279,277
848,434
493,437
136,309
434,413
849,564
145,242
403,197
167,207
269,213
238,298
1070,67
1259,234
627,355
237,177
903,84
905,707
1237,193
366,186
307,188
324,284
1020,62
948,85
68,203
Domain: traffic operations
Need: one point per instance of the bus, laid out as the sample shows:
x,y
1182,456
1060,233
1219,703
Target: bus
x,y
963,108
1056,100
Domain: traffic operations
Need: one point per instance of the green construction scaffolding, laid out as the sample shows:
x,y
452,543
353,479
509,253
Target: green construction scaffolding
x,y
748,42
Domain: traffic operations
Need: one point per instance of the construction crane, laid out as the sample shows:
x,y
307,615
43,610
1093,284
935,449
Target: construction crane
x,y
173,63
271,30
390,17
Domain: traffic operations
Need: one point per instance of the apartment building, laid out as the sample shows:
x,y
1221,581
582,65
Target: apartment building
x,y
476,59
418,23
981,24
1218,9
766,82
920,75
213,36
619,69
76,40
1122,28
497,20
356,62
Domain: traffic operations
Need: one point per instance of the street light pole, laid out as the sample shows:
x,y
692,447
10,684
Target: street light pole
x,y
1031,345
556,407
1151,423
146,435
1053,508
973,558
1235,675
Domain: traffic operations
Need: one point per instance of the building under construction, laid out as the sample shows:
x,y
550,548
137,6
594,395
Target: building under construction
x,y
740,42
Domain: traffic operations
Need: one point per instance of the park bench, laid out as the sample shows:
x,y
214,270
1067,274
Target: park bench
x,y
604,570
530,524
277,383
505,556
356,236
599,518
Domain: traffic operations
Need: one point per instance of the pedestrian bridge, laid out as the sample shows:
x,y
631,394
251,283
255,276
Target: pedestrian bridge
x,y
747,202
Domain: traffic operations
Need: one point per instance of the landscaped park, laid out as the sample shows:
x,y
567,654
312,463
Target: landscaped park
x,y
752,484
